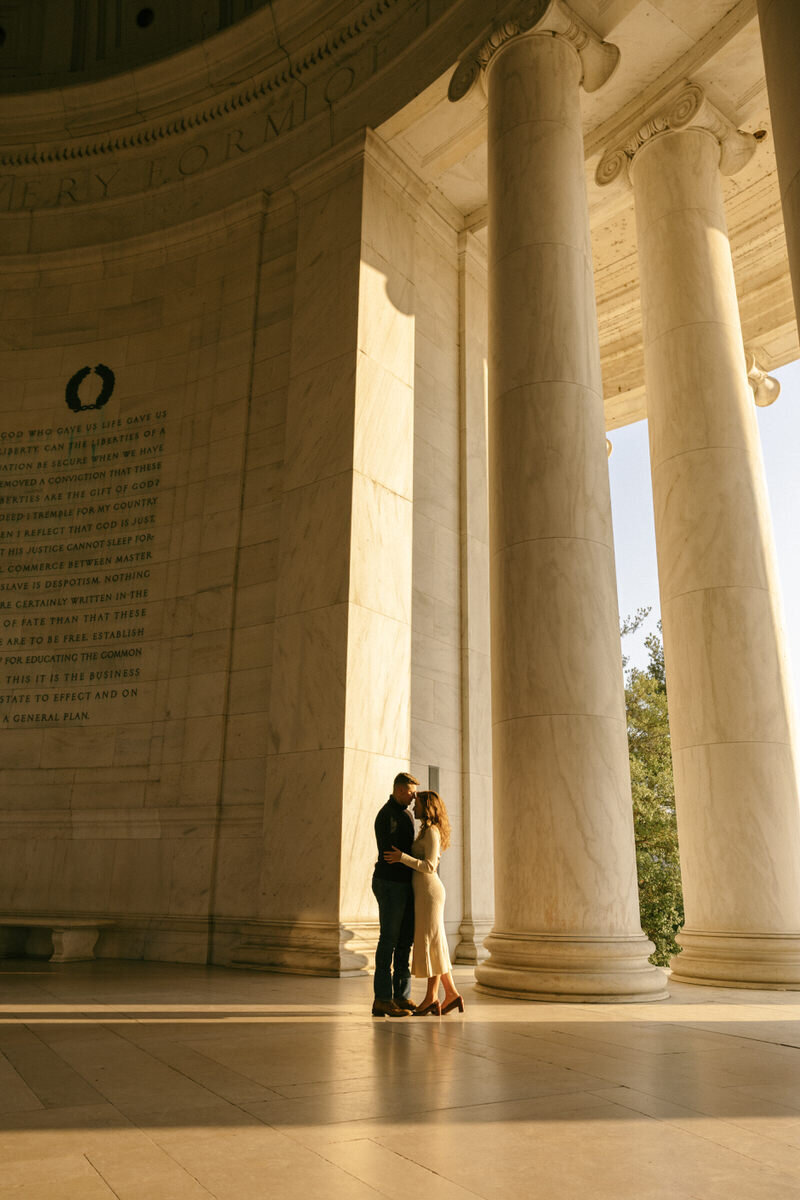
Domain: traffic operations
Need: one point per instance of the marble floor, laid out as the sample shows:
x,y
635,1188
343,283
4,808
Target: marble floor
x,y
146,1081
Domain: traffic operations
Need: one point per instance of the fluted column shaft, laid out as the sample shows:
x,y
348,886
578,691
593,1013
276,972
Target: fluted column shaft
x,y
780,38
730,716
567,921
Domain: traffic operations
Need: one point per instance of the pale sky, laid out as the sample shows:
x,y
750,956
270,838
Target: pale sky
x,y
634,536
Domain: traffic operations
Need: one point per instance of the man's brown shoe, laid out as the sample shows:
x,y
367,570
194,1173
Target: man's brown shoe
x,y
388,1008
409,1005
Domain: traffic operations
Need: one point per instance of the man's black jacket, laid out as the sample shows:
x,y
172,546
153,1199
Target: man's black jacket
x,y
393,827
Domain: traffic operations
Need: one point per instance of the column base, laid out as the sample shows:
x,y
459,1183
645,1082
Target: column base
x,y
735,960
471,938
307,948
567,969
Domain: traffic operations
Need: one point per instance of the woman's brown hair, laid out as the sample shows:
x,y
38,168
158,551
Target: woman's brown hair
x,y
435,813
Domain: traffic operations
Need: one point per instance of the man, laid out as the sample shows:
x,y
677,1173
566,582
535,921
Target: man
x,y
391,883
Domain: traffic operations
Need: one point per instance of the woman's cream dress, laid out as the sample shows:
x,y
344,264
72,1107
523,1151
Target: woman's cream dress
x,y
431,956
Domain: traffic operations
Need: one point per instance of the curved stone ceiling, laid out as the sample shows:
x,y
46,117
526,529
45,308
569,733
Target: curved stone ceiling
x,y
54,43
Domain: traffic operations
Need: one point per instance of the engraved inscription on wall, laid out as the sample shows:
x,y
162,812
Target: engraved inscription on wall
x,y
79,570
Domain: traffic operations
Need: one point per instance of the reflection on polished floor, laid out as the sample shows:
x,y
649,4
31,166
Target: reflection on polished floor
x,y
146,1081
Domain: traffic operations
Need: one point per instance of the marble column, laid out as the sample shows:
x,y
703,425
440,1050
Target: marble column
x,y
340,695
476,726
779,21
566,907
729,699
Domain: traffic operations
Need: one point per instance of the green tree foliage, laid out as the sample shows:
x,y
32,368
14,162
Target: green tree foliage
x,y
655,828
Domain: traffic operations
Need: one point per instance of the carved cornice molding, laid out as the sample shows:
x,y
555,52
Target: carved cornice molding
x,y
145,137
766,388
266,85
689,108
554,17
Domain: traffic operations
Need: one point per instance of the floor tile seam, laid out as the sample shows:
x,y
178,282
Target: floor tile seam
x,y
649,1055
489,1058
789,1115
696,1113
49,1049
612,1078
743,1092
578,1049
298,1142
692,1114
483,1051
463,1108
103,1097
422,1113
369,1081
542,1091
323,1158
724,1033
430,1170
759,1134
161,1149
702,1113
100,1175
296,1136
734,1125
628,1051
675,1122
205,1088
213,1062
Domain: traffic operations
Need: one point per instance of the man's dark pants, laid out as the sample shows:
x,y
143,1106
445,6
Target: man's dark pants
x,y
396,914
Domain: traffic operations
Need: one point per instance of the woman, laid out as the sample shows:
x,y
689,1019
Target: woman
x,y
431,958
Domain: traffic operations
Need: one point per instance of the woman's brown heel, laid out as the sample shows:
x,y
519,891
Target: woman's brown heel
x,y
457,1003
432,1010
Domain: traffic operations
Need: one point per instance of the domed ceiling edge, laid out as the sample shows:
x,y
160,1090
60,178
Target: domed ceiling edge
x,y
250,67
131,155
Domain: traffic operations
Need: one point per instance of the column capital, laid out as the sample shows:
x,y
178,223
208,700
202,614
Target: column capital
x,y
687,108
766,388
552,18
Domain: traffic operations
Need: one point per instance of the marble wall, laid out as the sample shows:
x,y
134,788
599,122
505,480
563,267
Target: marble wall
x,y
119,580
239,850
303,616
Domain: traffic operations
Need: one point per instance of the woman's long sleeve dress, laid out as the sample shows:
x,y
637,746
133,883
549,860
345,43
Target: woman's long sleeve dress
x,y
431,955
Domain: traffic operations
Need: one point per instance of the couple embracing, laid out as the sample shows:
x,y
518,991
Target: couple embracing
x,y
410,899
